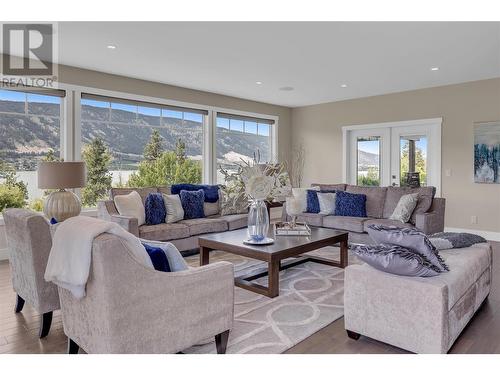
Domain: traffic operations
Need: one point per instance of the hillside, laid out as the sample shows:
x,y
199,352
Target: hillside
x,y
24,139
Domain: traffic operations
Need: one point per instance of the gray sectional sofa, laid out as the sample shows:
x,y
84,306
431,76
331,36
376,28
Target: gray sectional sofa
x,y
428,216
183,234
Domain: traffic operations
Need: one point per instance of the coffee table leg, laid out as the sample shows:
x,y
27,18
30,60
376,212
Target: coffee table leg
x,y
343,253
204,255
274,278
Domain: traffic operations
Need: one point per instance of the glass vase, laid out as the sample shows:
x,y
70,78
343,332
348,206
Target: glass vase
x,y
258,221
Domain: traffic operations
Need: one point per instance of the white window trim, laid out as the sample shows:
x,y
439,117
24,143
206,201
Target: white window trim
x,y
436,124
73,120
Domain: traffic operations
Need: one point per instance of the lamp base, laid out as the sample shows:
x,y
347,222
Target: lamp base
x,y
62,205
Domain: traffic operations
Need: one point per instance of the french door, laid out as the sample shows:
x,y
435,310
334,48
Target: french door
x,y
404,153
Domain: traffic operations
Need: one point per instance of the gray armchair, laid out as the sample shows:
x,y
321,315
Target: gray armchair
x,y
129,308
29,242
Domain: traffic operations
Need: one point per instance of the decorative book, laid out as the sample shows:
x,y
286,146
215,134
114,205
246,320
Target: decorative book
x,y
292,229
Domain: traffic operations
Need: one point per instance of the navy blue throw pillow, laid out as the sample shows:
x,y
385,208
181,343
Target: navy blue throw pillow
x,y
158,258
348,204
211,191
155,210
192,204
313,201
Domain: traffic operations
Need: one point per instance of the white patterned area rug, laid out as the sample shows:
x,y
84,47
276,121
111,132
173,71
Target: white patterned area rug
x,y
311,297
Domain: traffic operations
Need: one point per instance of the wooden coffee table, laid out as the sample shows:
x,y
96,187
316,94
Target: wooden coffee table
x,y
283,247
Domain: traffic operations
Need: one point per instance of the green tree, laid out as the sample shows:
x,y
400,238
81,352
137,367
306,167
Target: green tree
x,y
13,193
154,148
420,164
50,156
171,167
371,178
97,159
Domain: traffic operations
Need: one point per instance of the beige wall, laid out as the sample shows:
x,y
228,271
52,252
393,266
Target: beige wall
x,y
319,128
83,77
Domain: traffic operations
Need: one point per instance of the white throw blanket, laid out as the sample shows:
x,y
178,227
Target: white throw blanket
x,y
70,256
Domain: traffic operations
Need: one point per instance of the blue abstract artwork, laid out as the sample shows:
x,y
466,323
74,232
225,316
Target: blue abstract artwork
x,y
487,152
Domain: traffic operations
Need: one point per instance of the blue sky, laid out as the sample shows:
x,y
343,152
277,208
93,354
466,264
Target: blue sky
x,y
373,146
16,96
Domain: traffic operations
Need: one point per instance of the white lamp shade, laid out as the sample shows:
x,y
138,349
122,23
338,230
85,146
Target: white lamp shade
x,y
61,175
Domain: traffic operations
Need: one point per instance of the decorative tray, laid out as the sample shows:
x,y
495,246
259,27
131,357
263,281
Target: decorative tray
x,y
290,229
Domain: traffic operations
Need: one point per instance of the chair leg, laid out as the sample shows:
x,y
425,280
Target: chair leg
x,y
72,347
221,342
353,335
45,322
19,304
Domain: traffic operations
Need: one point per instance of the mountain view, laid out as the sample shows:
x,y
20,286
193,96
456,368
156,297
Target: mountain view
x,y
26,138
367,160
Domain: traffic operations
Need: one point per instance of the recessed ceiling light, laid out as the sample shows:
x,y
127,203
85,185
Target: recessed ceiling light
x,y
287,88
258,83
111,46
435,69
343,85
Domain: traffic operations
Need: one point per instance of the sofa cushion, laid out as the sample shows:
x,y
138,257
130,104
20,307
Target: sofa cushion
x,y
386,222
236,221
349,204
143,192
315,220
164,232
375,198
349,223
205,225
394,194
336,187
211,209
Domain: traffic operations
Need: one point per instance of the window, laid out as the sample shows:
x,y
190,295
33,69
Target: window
x,y
127,127
368,164
30,123
241,138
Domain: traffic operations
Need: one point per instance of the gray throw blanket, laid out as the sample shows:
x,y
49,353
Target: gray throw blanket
x,y
451,240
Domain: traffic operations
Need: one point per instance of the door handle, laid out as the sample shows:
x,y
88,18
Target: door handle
x,y
394,184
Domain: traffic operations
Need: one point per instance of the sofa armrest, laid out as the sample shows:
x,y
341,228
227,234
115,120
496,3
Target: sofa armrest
x,y
407,312
129,308
130,224
432,221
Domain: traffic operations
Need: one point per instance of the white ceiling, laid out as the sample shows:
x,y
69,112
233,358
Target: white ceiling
x,y
313,58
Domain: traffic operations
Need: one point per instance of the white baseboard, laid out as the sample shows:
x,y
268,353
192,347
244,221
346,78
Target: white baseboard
x,y
490,236
4,254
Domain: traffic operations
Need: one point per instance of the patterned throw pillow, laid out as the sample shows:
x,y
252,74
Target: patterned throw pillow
x,y
154,207
192,204
410,238
405,207
396,260
348,204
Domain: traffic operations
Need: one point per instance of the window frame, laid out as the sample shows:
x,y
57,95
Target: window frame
x,y
209,174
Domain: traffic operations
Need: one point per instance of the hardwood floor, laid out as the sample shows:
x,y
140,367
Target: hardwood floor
x,y
19,332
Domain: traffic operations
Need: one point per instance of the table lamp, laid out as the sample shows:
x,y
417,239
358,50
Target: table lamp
x,y
61,204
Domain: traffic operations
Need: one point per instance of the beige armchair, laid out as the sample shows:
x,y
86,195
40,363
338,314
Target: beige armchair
x,y
129,308
29,242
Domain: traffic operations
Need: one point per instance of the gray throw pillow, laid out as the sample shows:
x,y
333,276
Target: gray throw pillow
x,y
405,207
410,238
396,260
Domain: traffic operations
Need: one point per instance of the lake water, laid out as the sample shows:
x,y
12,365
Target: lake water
x,y
31,178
